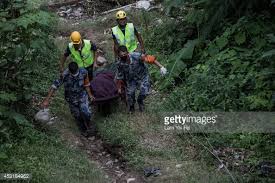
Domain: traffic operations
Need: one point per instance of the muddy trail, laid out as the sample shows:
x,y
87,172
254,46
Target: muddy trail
x,y
107,157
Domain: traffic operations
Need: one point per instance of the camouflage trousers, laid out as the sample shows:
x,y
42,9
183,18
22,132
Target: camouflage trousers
x,y
133,85
81,112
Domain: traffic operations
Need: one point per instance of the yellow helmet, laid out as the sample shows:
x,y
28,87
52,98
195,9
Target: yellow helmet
x,y
75,37
120,14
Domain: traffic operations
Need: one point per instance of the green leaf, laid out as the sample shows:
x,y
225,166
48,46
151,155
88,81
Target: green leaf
x,y
19,119
7,97
271,38
268,53
20,50
6,27
259,42
222,42
213,49
240,38
254,29
3,156
185,53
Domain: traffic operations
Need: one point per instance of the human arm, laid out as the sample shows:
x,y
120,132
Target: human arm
x,y
87,88
140,40
56,84
46,101
94,50
152,60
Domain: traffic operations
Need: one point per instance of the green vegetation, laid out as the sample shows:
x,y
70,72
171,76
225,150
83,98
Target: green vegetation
x,y
28,64
220,56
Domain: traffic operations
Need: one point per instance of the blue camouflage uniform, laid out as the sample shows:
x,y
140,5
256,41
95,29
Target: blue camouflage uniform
x,y
76,96
136,76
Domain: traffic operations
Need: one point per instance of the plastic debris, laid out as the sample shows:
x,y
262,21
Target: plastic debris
x,y
42,116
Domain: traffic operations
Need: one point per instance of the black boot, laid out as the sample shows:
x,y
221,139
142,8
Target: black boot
x,y
141,107
141,103
131,109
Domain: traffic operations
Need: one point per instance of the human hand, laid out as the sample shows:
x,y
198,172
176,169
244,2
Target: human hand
x,y
45,104
119,91
92,98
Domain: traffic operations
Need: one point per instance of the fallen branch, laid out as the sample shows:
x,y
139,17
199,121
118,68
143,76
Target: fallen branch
x,y
116,9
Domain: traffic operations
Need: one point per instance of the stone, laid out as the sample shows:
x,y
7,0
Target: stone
x,y
130,180
143,5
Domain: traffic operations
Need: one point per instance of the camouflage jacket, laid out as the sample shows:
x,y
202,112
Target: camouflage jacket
x,y
74,86
135,70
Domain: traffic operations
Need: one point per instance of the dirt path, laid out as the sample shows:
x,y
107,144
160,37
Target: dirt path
x,y
107,158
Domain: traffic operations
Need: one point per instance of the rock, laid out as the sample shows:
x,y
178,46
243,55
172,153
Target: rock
x,y
77,13
130,180
68,11
79,9
143,5
153,92
63,8
109,163
78,143
50,123
127,8
178,165
61,14
91,139
120,175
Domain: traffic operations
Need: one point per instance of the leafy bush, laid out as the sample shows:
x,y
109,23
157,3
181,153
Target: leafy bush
x,y
233,72
25,49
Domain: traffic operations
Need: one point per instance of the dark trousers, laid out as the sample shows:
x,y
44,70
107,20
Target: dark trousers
x,y
90,72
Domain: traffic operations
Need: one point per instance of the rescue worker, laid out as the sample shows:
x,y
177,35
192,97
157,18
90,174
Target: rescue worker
x,y
77,91
82,51
133,73
125,34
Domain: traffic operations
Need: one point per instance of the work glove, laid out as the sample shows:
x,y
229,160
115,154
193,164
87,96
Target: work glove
x,y
163,71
